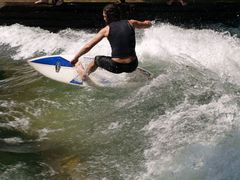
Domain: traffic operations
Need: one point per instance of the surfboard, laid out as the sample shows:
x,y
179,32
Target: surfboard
x,y
59,68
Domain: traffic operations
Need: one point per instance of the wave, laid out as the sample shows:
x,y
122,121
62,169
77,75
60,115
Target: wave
x,y
182,121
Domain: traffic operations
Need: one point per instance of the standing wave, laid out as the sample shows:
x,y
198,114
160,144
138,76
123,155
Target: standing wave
x,y
183,124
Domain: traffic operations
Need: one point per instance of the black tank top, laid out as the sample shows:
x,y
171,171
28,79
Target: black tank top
x,y
122,39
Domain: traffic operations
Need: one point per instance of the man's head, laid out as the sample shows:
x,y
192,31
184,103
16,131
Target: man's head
x,y
111,13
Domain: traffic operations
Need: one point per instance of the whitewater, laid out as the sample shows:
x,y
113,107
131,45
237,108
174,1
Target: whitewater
x,y
182,124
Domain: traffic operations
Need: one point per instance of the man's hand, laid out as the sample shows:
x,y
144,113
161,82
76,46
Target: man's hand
x,y
74,61
148,23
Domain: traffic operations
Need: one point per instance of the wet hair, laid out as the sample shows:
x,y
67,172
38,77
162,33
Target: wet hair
x,y
112,12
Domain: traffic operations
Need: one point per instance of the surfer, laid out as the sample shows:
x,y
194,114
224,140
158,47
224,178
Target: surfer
x,y
121,36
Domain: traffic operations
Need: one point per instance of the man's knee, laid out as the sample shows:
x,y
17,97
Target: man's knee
x,y
97,60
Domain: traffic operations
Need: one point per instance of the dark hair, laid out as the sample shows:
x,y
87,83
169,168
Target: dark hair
x,y
112,12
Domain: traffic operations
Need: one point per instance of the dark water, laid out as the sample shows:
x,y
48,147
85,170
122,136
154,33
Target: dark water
x,y
182,124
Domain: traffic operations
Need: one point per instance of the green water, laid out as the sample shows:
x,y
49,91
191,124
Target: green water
x,y
59,128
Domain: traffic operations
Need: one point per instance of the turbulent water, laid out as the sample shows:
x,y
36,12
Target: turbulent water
x,y
182,124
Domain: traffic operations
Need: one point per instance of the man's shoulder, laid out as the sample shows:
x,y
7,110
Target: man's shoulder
x,y
104,31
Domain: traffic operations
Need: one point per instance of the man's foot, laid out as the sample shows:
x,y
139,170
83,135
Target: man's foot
x,y
81,71
183,3
169,2
59,2
41,2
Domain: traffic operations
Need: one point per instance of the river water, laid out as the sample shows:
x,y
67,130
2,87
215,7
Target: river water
x,y
182,124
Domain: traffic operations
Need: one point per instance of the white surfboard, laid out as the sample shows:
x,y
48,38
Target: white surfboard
x,y
59,68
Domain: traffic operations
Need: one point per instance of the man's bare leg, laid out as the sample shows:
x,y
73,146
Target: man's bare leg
x,y
84,73
81,71
92,66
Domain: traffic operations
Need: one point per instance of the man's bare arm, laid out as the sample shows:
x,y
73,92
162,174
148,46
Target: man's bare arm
x,y
87,47
140,24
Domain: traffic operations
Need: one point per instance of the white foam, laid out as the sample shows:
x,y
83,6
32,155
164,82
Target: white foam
x,y
20,123
13,140
18,119
43,133
31,41
216,51
114,125
187,125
